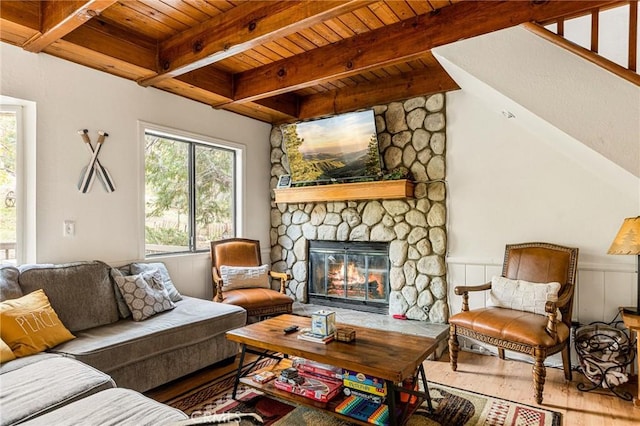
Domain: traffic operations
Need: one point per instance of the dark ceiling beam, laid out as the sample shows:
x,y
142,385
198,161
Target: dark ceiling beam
x,y
421,82
59,18
242,28
400,42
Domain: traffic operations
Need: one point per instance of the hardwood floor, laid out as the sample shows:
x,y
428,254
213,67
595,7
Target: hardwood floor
x,y
489,375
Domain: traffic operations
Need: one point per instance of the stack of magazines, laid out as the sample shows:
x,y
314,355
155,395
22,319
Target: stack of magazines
x,y
309,336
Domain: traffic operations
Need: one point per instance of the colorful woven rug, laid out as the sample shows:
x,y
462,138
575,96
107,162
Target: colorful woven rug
x,y
452,407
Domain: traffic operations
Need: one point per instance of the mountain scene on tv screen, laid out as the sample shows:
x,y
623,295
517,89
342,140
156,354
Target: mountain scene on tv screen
x,y
340,148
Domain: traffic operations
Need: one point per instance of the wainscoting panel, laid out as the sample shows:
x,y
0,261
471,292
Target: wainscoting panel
x,y
600,288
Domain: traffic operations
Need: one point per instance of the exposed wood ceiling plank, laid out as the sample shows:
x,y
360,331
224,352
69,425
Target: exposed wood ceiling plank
x,y
115,43
59,18
23,13
403,86
210,79
400,42
239,29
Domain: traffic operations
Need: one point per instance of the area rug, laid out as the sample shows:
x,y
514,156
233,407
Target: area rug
x,y
452,407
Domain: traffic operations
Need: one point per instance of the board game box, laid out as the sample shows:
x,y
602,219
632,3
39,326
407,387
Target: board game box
x,y
364,382
317,368
312,387
364,410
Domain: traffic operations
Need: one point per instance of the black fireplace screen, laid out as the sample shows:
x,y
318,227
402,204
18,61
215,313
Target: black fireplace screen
x,y
349,273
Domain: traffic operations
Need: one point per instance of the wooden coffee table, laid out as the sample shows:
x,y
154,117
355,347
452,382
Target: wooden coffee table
x,y
388,355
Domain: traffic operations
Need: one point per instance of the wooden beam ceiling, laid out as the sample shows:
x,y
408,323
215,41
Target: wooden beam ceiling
x,y
242,28
400,42
276,61
59,18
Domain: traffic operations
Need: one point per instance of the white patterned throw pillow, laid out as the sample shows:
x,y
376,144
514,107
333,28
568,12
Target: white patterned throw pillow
x,y
234,277
144,294
522,295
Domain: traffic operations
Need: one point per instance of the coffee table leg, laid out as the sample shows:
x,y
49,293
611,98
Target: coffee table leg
x,y
391,401
239,374
426,387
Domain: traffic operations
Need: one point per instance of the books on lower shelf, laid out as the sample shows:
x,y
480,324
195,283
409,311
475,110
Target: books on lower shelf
x,y
364,382
314,337
317,368
310,386
270,372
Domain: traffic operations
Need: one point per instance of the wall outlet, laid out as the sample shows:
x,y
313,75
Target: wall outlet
x,y
69,228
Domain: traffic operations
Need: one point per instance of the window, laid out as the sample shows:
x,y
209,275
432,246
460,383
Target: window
x,y
191,191
9,119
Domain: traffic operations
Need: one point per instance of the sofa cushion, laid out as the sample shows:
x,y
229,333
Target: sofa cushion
x,y
5,352
126,342
9,287
30,325
137,268
81,293
144,294
45,385
26,360
112,407
234,277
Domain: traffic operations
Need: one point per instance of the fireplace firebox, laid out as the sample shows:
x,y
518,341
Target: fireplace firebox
x,y
349,274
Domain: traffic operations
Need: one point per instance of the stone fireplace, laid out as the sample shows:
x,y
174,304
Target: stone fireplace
x,y
349,274
411,134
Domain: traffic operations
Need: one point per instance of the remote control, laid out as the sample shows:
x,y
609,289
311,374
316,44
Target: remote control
x,y
290,329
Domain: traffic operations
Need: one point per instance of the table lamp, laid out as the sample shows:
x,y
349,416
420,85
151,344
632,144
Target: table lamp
x,y
627,241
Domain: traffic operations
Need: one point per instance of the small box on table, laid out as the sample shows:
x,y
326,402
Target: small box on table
x,y
323,322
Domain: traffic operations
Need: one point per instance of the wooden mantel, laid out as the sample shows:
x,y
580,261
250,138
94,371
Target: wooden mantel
x,y
384,189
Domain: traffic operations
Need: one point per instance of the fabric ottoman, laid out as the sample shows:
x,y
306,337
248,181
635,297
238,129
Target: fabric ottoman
x,y
47,384
117,406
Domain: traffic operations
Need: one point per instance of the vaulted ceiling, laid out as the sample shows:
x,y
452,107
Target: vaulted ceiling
x,y
275,61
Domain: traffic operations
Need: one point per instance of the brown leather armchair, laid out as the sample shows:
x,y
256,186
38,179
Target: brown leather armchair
x,y
519,331
258,302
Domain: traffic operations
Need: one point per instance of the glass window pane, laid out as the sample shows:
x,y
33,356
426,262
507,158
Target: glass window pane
x,y
214,195
8,208
166,195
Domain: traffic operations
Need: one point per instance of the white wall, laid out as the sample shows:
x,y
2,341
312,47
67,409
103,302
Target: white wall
x,y
523,179
583,100
69,97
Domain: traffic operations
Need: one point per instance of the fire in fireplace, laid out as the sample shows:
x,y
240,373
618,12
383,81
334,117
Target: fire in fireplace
x,y
352,275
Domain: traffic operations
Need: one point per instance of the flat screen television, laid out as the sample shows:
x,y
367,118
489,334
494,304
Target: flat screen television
x,y
335,149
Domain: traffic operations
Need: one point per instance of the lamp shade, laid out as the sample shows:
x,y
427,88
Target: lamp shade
x,y
627,240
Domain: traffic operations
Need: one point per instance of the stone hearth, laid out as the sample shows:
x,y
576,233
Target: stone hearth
x,y
411,134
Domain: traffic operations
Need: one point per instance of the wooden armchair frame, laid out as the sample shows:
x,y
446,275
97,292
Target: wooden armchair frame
x,y
535,262
259,302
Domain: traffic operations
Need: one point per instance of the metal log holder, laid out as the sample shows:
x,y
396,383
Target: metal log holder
x,y
605,352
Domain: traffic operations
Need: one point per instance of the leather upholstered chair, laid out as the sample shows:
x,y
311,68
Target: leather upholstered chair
x,y
259,302
530,333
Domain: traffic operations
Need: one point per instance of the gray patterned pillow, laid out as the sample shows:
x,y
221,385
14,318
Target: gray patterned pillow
x,y
137,268
144,294
123,309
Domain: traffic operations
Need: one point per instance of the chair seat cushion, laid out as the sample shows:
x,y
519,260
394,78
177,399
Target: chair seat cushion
x,y
510,325
256,298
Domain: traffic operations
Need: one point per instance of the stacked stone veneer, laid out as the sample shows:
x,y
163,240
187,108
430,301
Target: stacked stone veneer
x,y
410,134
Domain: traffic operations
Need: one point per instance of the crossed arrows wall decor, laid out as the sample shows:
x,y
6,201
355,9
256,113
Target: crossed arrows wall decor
x,y
94,168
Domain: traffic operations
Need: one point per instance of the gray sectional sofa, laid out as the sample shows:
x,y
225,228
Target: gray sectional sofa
x,y
109,349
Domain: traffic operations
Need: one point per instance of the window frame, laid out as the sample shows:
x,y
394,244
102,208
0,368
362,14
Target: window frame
x,y
194,139
25,177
